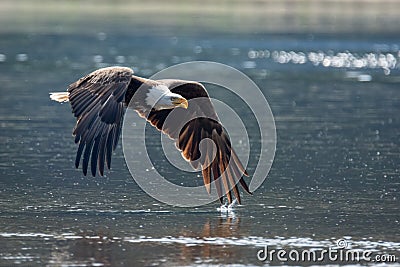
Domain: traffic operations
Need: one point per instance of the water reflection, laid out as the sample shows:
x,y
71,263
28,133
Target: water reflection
x,y
216,239
86,250
226,227
101,248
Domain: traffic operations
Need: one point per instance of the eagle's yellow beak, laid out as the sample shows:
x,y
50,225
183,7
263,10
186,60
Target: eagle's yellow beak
x,y
180,102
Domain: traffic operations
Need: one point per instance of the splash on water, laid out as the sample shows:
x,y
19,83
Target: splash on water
x,y
227,208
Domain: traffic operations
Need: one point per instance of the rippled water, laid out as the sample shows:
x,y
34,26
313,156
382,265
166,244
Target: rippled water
x,y
335,99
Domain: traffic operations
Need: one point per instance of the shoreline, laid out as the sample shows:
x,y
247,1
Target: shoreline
x,y
263,16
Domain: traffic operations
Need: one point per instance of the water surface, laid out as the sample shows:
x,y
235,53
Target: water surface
x,y
335,174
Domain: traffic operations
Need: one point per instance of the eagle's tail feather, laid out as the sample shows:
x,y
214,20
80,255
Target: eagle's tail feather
x,y
60,96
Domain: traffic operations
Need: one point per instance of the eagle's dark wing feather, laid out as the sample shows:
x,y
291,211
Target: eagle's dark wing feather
x,y
97,101
218,160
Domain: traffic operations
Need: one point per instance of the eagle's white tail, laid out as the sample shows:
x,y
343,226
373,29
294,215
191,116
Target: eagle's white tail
x,y
60,96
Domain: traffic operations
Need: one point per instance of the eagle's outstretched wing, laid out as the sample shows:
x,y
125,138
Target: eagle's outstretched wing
x,y
97,101
190,126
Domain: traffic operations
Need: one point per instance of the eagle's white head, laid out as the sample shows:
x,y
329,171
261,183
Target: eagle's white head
x,y
160,97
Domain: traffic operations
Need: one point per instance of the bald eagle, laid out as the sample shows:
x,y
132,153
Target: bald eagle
x,y
99,100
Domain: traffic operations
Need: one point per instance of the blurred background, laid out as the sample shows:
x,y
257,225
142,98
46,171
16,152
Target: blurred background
x,y
329,69
229,16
